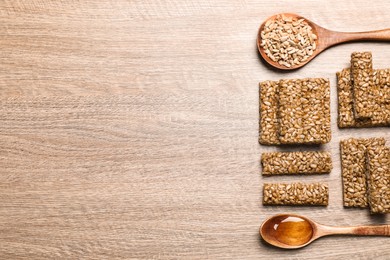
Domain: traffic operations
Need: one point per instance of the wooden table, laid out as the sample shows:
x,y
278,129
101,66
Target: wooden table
x,y
129,129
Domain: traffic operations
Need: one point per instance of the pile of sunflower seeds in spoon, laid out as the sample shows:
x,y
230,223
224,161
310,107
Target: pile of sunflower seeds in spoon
x,y
288,41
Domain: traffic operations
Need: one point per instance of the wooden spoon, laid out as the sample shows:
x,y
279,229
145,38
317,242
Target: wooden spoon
x,y
292,231
325,39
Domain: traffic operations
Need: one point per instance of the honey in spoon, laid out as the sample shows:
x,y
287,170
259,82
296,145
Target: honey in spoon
x,y
289,230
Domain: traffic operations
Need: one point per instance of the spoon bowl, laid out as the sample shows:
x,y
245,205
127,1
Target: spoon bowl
x,y
291,231
325,39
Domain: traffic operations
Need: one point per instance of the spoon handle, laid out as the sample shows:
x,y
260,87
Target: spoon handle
x,y
379,230
379,35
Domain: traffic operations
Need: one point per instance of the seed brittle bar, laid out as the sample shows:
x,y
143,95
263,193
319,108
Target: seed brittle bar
x,y
268,113
276,163
296,194
381,82
304,111
378,178
380,92
346,116
353,168
361,69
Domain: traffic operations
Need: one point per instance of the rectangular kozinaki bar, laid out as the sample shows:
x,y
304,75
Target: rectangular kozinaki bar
x,y
308,162
361,69
378,178
314,194
269,123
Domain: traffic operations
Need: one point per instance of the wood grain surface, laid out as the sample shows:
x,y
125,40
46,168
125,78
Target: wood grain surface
x,y
128,129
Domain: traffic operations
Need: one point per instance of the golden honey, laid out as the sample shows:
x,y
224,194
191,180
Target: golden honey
x,y
290,230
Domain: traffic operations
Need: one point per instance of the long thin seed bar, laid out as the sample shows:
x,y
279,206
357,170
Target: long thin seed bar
x,y
346,116
361,68
296,194
381,82
353,168
378,176
380,110
304,111
296,163
268,113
